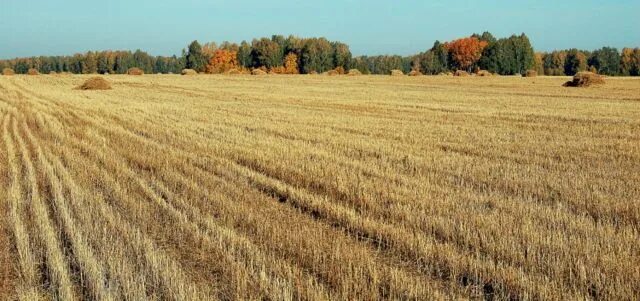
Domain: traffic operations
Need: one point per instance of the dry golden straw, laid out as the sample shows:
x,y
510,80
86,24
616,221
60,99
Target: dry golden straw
x,y
319,188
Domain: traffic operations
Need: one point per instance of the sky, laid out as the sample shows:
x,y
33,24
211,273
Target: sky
x,y
370,27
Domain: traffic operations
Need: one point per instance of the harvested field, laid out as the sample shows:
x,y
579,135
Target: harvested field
x,y
319,188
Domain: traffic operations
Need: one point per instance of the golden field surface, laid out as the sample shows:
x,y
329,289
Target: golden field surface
x,y
319,188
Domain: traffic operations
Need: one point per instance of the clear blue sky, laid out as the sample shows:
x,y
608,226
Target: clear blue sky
x,y
164,27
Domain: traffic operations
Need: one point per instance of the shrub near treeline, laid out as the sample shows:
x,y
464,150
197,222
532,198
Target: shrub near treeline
x,y
292,55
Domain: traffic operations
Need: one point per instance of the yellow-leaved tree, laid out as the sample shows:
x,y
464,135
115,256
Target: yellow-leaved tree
x,y
222,61
291,64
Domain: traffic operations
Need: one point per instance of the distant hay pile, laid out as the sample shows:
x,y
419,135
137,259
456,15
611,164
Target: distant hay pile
x,y
332,73
8,72
233,72
354,72
531,73
483,73
461,73
415,73
188,72
258,72
313,72
396,72
585,79
33,71
95,83
135,71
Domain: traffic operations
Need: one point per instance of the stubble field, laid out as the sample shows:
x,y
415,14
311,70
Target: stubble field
x,y
319,188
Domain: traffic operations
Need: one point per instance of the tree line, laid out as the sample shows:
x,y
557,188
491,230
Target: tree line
x,y
607,61
293,55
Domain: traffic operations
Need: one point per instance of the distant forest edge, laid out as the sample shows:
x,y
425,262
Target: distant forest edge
x,y
293,55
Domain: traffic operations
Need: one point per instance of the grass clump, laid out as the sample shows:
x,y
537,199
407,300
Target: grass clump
x,y
585,79
95,83
135,71
188,72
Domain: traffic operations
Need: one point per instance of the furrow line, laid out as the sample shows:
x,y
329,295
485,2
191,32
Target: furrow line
x,y
29,286
56,262
100,286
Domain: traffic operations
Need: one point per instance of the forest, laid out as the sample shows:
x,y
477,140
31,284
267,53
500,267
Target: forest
x,y
294,55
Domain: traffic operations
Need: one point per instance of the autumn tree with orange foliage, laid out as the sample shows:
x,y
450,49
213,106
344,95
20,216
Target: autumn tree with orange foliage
x,y
466,52
222,61
291,64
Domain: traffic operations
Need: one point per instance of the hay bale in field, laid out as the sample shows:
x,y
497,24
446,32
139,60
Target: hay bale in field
x,y
585,79
461,73
313,72
332,73
233,72
396,72
135,71
258,72
483,73
449,73
354,72
188,72
33,71
415,73
530,73
95,83
8,71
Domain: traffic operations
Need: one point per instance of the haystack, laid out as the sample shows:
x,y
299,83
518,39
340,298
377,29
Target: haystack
x,y
332,73
188,72
415,73
354,72
33,71
396,72
135,71
258,72
461,73
313,72
531,73
483,73
95,83
585,79
233,72
8,71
